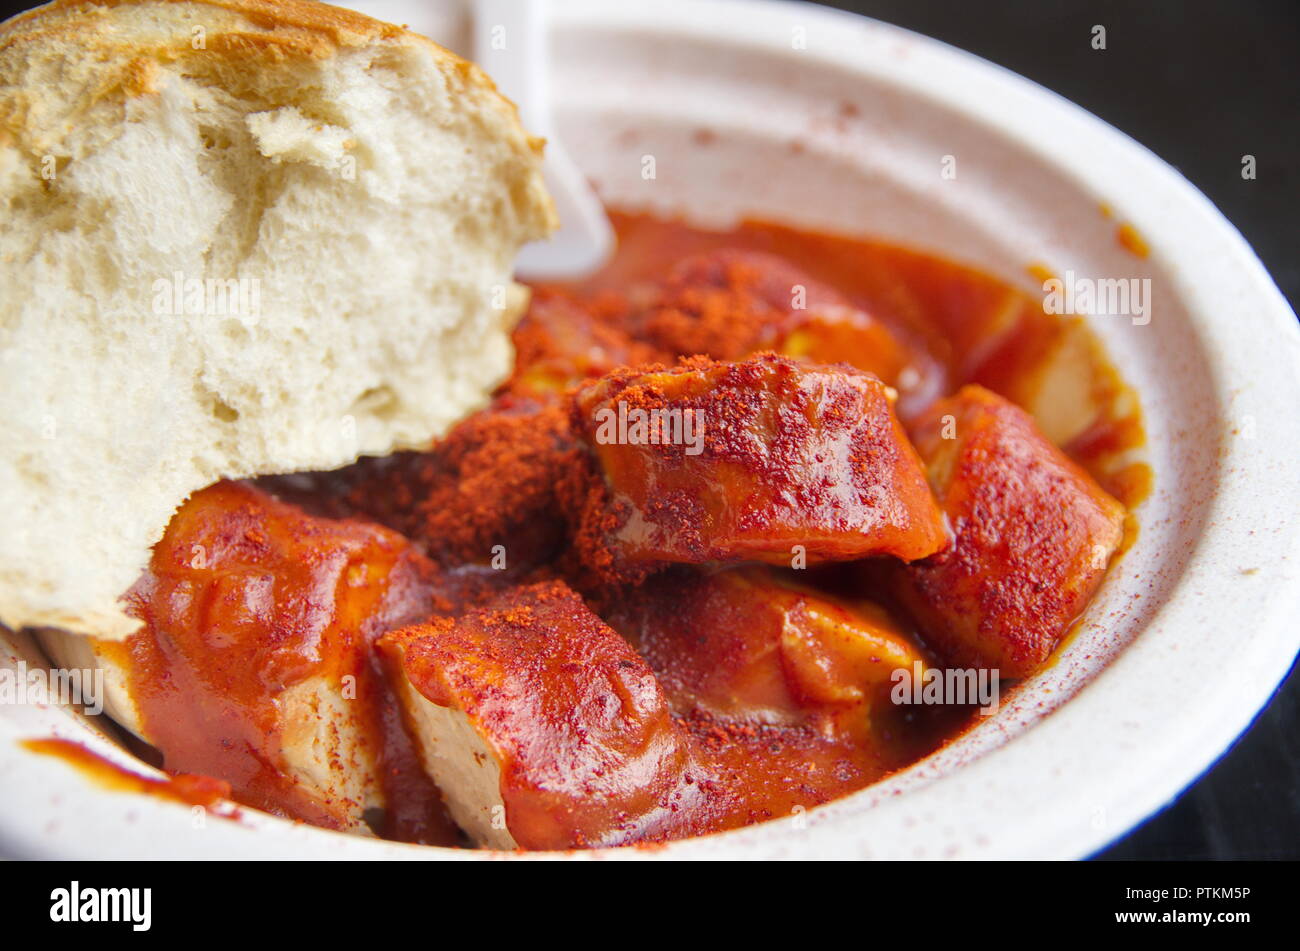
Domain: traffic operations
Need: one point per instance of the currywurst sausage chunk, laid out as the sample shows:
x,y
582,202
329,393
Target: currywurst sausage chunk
x,y
751,644
254,663
718,462
1033,536
728,304
541,726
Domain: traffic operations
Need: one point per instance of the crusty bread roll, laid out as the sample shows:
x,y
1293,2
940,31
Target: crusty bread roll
x,y
240,237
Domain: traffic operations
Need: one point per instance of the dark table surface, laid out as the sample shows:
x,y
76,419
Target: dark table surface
x,y
1201,84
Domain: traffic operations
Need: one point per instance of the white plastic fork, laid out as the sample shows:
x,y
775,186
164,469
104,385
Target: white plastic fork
x,y
510,44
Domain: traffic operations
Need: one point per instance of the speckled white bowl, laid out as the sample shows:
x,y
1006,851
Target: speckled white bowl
x,y
832,121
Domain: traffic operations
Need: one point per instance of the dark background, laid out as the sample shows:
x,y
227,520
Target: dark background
x,y
1200,84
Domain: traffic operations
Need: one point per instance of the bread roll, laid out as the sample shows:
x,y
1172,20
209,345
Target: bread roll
x,y
240,237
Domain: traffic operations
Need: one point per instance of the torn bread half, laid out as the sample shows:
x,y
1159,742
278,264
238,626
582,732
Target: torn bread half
x,y
241,237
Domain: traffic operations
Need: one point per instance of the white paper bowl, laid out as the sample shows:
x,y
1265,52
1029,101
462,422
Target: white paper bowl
x,y
1197,623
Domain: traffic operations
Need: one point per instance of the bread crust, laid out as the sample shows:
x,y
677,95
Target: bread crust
x,y
273,28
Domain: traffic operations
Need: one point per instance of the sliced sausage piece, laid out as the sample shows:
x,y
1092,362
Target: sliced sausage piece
x,y
728,304
541,725
753,644
255,663
564,339
768,460
1033,536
